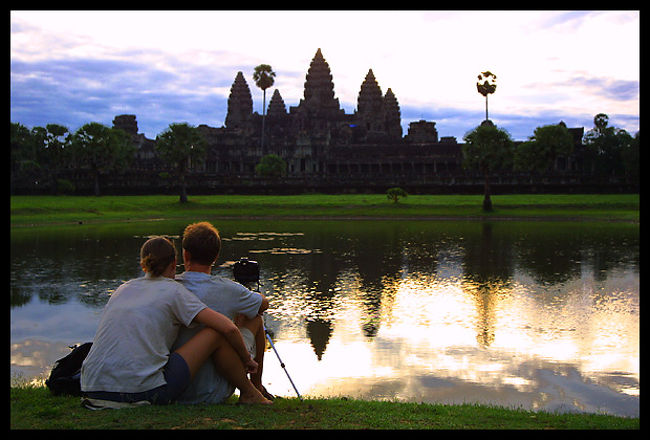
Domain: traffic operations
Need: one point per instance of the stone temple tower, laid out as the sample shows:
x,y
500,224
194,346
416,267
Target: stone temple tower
x,y
319,97
392,116
378,115
318,121
240,103
277,109
370,104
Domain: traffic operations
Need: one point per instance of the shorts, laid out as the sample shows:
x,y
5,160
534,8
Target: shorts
x,y
177,375
210,387
249,340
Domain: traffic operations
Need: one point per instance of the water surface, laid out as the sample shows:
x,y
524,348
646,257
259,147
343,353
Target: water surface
x,y
537,315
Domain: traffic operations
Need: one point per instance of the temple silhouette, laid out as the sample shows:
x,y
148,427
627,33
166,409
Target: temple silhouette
x,y
326,149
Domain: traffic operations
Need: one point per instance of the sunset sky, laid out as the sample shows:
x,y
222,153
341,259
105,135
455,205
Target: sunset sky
x,y
75,67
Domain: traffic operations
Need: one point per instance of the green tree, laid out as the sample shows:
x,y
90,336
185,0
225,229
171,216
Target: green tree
x,y
540,152
264,78
179,144
53,151
631,158
606,147
24,166
102,149
271,165
395,194
487,149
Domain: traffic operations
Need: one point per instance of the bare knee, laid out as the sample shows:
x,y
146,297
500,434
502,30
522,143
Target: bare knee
x,y
200,347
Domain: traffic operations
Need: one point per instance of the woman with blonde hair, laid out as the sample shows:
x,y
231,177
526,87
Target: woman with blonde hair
x,y
131,361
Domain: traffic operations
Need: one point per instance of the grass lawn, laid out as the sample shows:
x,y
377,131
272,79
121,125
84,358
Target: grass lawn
x,y
35,408
27,210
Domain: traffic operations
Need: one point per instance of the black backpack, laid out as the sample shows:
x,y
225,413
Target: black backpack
x,y
65,377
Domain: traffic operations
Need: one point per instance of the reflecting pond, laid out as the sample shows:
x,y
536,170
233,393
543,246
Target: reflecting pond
x,y
533,315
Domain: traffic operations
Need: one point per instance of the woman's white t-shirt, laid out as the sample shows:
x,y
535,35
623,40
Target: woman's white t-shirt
x,y
137,328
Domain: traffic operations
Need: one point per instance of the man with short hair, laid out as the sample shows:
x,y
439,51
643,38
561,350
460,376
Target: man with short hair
x,y
201,245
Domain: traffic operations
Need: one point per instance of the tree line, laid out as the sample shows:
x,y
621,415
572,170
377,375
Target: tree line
x,y
608,152
41,156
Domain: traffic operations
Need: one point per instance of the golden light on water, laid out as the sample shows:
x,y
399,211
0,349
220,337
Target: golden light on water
x,y
496,335
430,316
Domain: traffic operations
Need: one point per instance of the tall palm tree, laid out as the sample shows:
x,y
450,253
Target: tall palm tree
x,y
263,77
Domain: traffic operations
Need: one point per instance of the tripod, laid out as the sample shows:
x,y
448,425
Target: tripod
x,y
247,272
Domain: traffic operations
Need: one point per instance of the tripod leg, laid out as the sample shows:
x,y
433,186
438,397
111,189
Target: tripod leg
x,y
282,363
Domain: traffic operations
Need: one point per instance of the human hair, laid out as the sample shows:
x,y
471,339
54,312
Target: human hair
x,y
202,241
156,254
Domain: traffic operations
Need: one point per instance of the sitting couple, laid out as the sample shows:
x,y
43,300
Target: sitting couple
x,y
187,338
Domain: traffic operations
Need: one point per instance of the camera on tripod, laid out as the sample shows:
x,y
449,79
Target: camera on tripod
x,y
246,271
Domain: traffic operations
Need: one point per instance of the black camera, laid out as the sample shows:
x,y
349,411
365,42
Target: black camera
x,y
246,271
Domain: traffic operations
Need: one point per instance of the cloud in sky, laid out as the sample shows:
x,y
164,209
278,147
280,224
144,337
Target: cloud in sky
x,y
74,67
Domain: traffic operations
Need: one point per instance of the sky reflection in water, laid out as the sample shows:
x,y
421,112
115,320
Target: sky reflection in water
x,y
448,340
507,314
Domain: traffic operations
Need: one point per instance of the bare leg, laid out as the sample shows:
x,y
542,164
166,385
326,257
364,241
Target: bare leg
x,y
209,343
256,326
260,344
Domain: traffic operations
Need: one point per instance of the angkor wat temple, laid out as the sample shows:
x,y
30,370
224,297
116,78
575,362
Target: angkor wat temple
x,y
327,150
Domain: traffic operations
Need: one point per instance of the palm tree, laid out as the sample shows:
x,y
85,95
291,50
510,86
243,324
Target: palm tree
x,y
486,87
263,77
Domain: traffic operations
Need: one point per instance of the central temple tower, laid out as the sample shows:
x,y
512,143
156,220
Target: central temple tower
x,y
319,100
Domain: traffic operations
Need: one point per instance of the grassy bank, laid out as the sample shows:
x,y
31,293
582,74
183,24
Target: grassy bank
x,y
26,210
36,408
